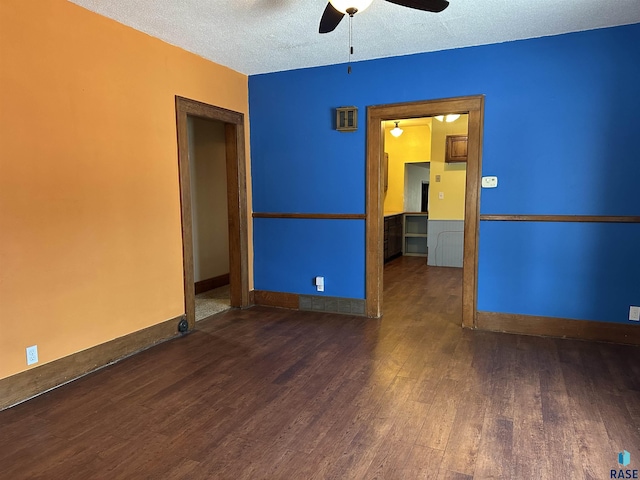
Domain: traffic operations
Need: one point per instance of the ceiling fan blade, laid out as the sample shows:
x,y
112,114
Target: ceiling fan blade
x,y
426,5
330,19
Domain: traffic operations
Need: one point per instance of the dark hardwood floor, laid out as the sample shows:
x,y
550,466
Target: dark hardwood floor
x,y
275,394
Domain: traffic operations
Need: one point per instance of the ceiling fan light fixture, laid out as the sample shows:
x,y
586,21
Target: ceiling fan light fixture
x,y
343,6
396,131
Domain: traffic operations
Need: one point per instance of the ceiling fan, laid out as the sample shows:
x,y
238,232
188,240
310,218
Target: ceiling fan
x,y
337,9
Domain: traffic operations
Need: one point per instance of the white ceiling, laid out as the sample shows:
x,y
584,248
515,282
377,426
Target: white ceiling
x,y
259,36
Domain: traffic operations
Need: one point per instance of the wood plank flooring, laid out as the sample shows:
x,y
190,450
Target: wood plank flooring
x,y
275,394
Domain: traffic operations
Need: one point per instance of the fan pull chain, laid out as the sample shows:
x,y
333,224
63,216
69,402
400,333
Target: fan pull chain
x,y
350,43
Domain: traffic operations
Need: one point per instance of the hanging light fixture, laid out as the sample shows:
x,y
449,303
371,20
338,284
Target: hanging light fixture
x,y
452,117
350,6
397,131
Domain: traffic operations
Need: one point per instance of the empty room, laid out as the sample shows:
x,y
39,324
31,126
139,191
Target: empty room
x,y
415,224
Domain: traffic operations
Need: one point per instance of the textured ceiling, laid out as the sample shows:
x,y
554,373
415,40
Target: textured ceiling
x,y
259,36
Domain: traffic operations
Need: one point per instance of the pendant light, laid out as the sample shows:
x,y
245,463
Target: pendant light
x,y
397,131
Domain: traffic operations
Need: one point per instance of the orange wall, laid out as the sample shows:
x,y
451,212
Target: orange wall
x,y
90,243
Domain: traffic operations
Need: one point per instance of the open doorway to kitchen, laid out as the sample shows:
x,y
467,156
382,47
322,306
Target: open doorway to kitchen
x,y
470,109
423,161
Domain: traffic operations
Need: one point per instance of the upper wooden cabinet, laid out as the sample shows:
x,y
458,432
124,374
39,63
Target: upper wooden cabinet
x,y
456,149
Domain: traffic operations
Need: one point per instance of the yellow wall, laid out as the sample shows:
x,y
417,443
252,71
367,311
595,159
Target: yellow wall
x,y
452,175
414,145
90,242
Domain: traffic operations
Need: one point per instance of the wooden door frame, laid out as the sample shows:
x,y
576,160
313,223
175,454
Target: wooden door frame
x,y
376,115
236,200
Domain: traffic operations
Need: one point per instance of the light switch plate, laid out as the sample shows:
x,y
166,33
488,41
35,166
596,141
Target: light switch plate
x,y
489,182
441,195
634,313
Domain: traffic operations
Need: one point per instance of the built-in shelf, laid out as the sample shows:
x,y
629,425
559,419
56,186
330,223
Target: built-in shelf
x,y
415,234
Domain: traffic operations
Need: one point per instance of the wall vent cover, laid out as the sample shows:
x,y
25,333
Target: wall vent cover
x,y
314,303
346,119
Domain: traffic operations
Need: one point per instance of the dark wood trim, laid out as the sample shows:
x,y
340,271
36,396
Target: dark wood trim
x,y
211,283
374,225
185,206
35,381
561,218
238,214
236,196
320,216
204,110
559,327
474,106
276,299
471,215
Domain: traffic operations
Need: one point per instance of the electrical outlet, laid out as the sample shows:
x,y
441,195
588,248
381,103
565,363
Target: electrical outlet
x,y
634,313
319,282
32,355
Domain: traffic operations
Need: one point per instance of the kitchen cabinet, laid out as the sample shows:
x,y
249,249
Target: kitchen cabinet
x,y
456,148
392,236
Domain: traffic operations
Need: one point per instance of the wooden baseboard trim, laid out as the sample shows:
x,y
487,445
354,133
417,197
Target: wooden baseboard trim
x,y
211,283
276,299
31,383
559,327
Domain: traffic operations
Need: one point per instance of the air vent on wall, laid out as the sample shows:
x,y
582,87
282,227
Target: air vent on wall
x,y
346,119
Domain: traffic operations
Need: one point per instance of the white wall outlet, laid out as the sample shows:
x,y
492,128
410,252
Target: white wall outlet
x,y
489,182
634,313
32,355
319,281
441,195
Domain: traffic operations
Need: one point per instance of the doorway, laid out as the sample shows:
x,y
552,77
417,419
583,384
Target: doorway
x,y
376,116
424,198
209,215
235,163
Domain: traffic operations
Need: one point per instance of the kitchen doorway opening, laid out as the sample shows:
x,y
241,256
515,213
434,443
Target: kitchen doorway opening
x,y
453,148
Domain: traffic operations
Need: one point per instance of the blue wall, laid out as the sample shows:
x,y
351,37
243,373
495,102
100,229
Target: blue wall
x,y
561,133
293,252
